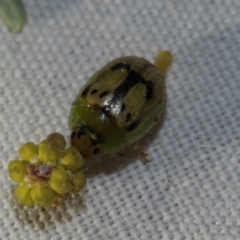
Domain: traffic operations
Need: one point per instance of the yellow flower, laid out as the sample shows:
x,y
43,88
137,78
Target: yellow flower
x,y
47,173
23,194
48,153
43,196
28,152
79,181
71,159
57,140
59,180
17,170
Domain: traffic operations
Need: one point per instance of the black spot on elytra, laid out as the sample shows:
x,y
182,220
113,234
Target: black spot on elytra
x,y
103,94
96,151
133,125
121,65
73,135
122,90
122,108
128,117
94,91
149,90
132,79
85,91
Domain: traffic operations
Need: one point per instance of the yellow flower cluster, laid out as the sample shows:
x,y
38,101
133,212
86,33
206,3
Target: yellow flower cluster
x,y
47,173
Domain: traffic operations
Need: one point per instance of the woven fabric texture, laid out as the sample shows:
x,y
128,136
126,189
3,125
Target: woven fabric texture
x,y
191,187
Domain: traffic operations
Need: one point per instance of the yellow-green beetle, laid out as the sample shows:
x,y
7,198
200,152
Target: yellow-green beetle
x,y
119,104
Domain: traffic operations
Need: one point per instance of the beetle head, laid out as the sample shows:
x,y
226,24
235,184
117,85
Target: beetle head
x,y
85,141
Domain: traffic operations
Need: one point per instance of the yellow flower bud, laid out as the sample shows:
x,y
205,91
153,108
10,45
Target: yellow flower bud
x,y
71,159
57,140
17,170
43,196
47,153
28,152
23,195
59,180
47,173
79,181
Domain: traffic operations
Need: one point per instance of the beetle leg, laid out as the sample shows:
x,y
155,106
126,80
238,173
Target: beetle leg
x,y
120,154
141,153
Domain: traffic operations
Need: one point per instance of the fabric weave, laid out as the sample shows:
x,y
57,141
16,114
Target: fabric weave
x,y
190,189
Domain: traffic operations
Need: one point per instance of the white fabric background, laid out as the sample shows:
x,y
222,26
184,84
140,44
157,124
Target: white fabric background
x,y
191,188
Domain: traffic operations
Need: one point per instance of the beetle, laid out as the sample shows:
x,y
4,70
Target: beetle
x,y
119,104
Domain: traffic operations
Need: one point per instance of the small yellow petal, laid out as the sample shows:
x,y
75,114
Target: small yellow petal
x,y
79,181
28,151
71,159
59,180
57,140
43,196
48,153
17,170
23,195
